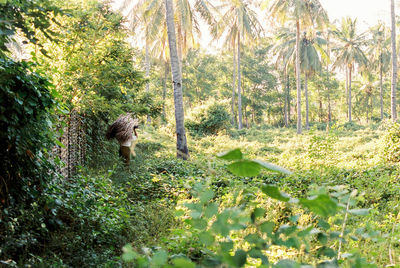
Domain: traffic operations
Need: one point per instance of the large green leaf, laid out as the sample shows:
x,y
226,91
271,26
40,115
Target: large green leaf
x,y
359,212
235,154
245,168
273,167
321,205
273,192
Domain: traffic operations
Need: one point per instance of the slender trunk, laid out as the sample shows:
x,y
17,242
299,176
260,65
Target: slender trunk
x,y
394,62
367,105
233,84
288,94
350,67
299,130
286,105
306,96
147,63
329,109
347,90
239,83
381,86
164,116
181,143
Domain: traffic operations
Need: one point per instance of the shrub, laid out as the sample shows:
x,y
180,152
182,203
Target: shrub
x,y
208,119
391,144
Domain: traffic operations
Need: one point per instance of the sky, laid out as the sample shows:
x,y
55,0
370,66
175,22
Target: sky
x,y
367,12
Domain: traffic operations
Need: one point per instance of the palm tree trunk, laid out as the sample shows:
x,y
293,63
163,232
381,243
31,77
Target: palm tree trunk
x,y
381,87
286,109
233,84
299,130
147,63
288,94
306,96
394,62
239,83
181,143
164,116
347,90
350,67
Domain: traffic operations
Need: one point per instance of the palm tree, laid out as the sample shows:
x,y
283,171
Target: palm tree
x,y
181,143
311,52
349,51
379,55
304,12
394,62
239,23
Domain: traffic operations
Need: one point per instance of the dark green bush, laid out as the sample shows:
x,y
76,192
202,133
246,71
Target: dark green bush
x,y
208,119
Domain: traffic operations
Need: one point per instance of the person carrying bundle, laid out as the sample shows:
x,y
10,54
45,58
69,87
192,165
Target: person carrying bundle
x,y
124,130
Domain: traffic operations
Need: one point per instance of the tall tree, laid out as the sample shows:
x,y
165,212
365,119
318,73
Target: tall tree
x,y
379,53
394,62
304,12
349,51
239,24
181,143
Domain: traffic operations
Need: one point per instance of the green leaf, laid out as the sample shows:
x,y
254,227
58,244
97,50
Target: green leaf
x,y
322,238
206,196
359,212
199,224
226,246
240,258
128,253
235,154
160,258
257,213
211,210
183,263
326,251
267,227
273,192
286,264
206,238
321,205
273,167
245,168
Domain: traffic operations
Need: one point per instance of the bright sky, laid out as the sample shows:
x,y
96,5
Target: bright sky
x,y
368,12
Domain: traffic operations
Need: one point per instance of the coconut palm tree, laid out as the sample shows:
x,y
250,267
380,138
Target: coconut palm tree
x,y
238,24
311,52
304,13
349,51
379,55
181,143
394,62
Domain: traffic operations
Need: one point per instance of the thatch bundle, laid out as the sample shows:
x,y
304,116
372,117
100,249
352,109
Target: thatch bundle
x,y
122,128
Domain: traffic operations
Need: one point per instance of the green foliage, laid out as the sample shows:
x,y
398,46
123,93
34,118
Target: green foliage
x,y
214,227
208,119
322,146
391,144
25,119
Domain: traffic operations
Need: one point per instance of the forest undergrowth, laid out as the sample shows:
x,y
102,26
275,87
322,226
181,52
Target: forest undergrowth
x,y
107,206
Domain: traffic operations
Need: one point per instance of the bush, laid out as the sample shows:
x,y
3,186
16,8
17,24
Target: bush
x,y
208,119
391,144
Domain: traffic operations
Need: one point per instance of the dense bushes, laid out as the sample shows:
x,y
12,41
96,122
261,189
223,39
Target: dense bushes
x,y
208,118
391,143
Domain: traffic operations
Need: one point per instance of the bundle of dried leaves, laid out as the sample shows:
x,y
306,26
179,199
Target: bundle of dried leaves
x,y
122,128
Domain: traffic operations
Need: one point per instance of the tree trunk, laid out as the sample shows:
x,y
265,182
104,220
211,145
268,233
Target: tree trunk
x,y
147,63
288,94
181,143
286,105
350,67
394,63
233,84
299,130
306,96
347,90
381,86
239,83
164,116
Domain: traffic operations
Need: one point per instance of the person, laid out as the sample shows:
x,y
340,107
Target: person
x,y
127,147
124,130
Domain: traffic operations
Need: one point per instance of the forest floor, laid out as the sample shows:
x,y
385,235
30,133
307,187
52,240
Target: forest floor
x,y
138,205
